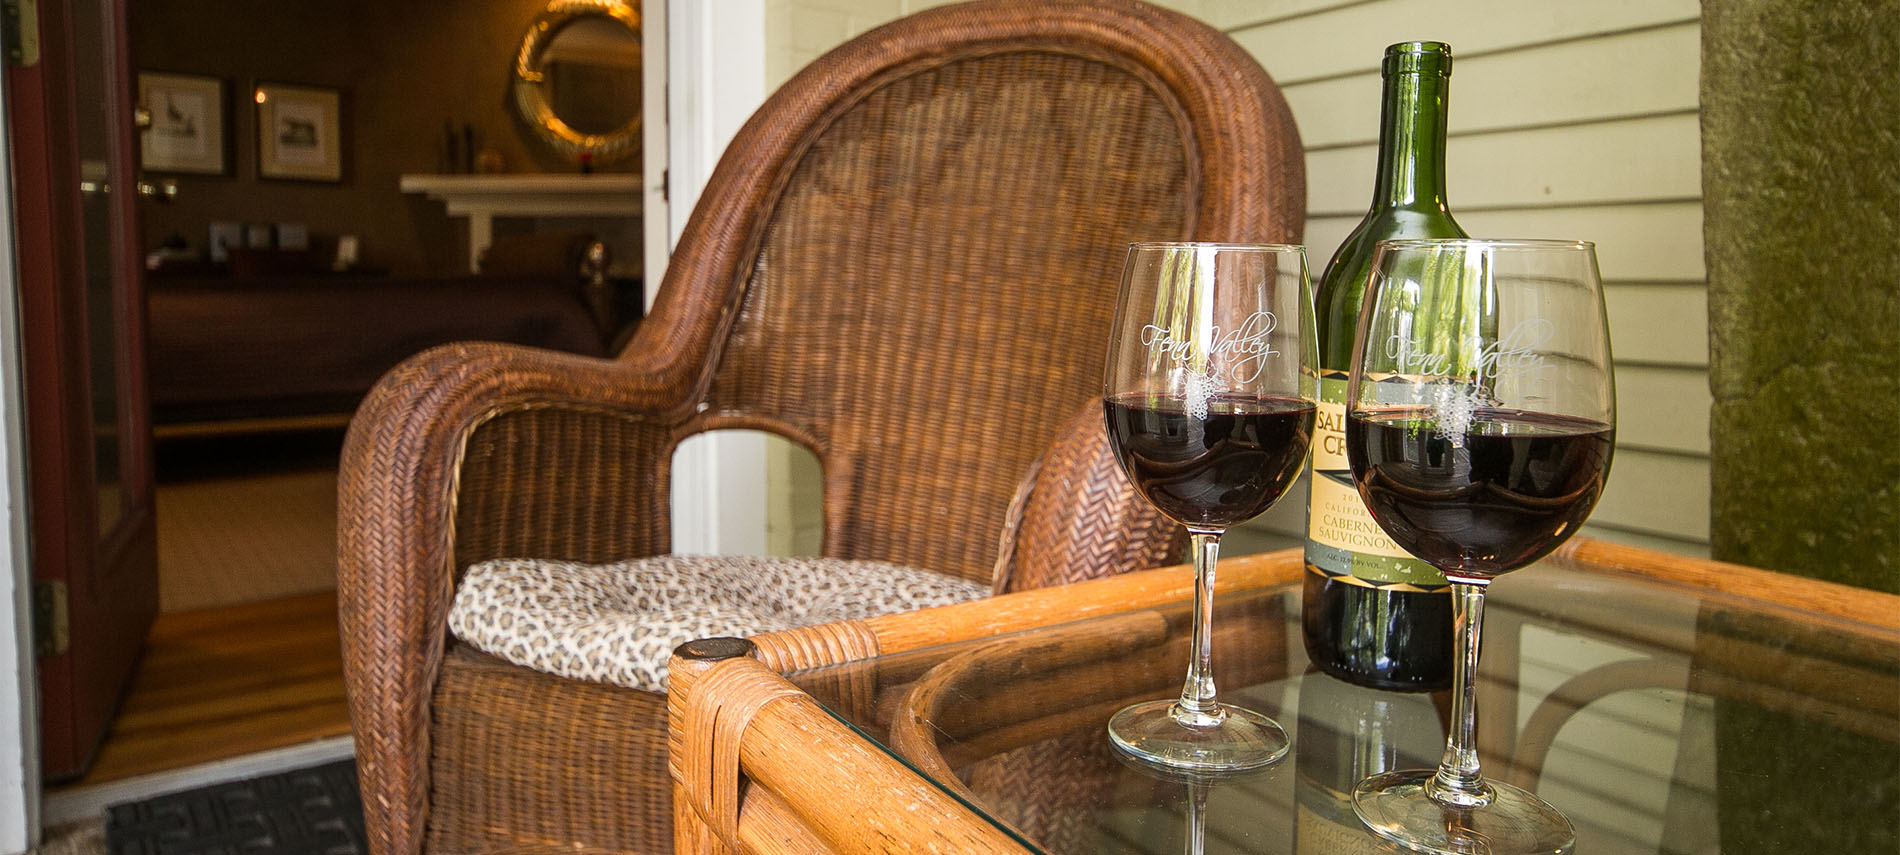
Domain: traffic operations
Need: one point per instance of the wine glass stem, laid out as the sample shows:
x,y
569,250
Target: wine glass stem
x,y
1197,707
1459,782
1196,843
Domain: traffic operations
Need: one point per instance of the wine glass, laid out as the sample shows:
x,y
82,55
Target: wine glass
x,y
1209,399
1480,420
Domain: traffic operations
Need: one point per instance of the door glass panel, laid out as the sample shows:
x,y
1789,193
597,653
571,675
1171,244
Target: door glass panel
x,y
103,294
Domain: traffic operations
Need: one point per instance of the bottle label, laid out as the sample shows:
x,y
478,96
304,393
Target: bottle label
x,y
1342,539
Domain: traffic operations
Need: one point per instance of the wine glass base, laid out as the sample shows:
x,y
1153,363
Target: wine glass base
x,y
1395,806
1240,741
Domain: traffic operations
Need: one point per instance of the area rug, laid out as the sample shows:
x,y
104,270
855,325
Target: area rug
x,y
313,811
245,518
245,539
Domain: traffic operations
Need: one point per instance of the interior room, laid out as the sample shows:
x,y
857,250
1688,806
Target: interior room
x,y
280,287
862,428
259,346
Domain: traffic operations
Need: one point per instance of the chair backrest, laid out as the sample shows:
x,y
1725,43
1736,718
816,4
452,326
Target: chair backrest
x,y
908,259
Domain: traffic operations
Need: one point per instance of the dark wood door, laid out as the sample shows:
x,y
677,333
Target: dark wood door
x,y
93,543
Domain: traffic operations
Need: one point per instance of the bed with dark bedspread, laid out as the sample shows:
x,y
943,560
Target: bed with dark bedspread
x,y
224,348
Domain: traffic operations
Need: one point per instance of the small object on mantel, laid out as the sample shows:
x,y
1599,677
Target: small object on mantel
x,y
225,234
490,161
346,253
173,250
450,155
587,162
293,236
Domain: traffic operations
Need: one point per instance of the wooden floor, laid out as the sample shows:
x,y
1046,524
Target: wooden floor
x,y
225,682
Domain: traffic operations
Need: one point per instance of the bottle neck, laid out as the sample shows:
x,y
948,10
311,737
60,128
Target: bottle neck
x,y
1412,119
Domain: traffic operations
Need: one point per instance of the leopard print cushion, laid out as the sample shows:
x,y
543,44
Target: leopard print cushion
x,y
618,623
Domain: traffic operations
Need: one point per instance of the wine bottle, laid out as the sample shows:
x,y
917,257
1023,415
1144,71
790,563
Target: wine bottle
x,y
1371,613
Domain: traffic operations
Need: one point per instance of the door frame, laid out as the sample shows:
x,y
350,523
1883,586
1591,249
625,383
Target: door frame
x,y
715,79
19,699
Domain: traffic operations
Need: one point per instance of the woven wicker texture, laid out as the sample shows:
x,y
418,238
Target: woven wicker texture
x,y
493,748
570,484
1077,513
907,260
877,282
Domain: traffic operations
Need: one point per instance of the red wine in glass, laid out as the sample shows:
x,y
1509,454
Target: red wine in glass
x,y
1214,469
1484,497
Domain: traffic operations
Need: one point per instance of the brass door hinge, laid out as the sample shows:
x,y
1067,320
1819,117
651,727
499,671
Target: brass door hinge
x,y
20,31
52,629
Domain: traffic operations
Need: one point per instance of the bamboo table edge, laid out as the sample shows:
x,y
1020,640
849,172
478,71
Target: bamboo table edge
x,y
808,647
813,647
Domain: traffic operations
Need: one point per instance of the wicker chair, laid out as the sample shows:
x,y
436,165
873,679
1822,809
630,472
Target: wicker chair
x,y
907,261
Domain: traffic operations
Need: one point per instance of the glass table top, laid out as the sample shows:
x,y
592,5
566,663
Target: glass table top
x,y
1658,718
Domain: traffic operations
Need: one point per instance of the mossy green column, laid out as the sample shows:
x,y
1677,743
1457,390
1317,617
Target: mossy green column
x,y
1801,184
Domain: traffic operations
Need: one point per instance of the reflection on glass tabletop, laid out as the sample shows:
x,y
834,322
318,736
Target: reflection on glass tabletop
x,y
1661,715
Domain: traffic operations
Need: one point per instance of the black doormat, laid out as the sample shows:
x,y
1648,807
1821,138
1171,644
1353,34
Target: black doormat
x,y
314,811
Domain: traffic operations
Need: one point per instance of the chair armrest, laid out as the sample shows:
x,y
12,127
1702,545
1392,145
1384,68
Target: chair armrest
x,y
400,491
816,785
1076,516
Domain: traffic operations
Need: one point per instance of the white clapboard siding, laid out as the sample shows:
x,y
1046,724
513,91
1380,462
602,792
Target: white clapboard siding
x,y
1650,157
1657,323
1348,38
799,31
1656,493
1650,242
1233,15
1661,408
1638,73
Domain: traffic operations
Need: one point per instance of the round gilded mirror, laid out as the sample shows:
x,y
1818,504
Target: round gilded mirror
x,y
577,78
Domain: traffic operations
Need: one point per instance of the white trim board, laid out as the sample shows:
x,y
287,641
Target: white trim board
x,y
654,224
715,56
92,801
19,673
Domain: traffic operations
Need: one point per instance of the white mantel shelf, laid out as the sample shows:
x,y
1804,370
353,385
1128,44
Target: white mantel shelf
x,y
482,198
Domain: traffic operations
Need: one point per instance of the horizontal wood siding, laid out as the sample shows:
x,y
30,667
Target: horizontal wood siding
x,y
1602,163
1659,323
1567,120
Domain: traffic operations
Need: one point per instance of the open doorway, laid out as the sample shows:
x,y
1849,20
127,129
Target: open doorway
x,y
289,263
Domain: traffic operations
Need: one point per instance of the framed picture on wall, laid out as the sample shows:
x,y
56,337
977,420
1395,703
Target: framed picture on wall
x,y
186,133
299,132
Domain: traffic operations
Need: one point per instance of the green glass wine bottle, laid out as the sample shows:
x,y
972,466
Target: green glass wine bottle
x,y
1372,614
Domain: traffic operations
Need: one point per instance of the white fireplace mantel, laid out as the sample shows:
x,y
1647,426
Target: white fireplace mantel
x,y
482,198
